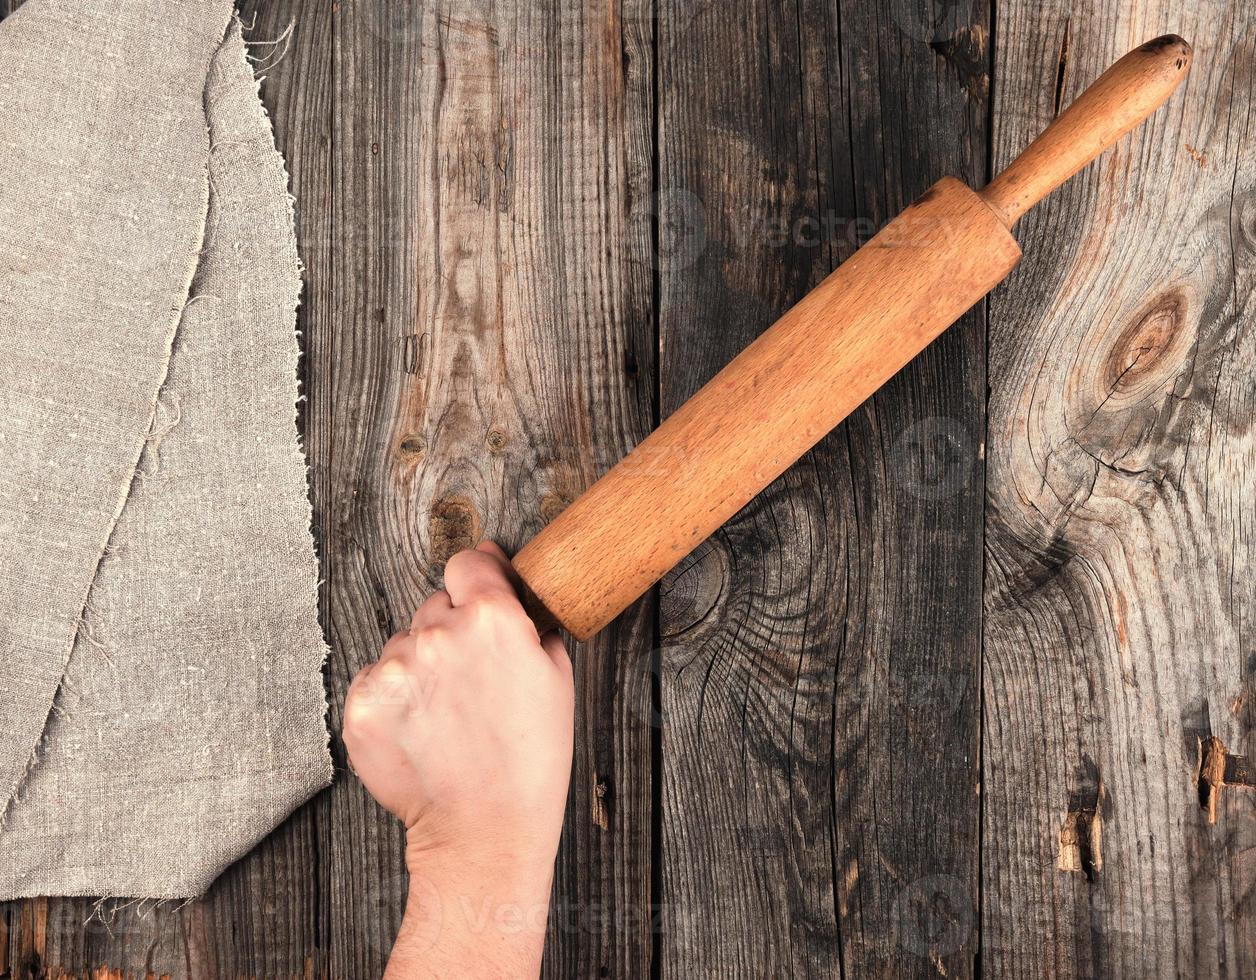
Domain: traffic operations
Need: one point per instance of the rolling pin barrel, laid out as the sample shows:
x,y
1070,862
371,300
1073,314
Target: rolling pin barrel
x,y
822,360
775,401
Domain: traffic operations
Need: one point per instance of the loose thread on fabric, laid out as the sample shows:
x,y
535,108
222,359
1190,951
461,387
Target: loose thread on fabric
x,y
169,403
276,56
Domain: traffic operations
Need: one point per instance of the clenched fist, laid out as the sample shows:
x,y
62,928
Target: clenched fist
x,y
463,730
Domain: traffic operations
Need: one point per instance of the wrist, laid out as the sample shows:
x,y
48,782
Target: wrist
x,y
479,912
507,860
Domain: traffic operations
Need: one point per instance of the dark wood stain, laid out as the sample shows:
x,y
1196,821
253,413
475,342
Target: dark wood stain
x,y
886,723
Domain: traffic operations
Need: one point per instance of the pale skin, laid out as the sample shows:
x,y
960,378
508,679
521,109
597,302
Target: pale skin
x,y
463,730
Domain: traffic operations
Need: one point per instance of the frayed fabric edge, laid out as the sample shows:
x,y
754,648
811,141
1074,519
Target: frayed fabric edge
x,y
292,249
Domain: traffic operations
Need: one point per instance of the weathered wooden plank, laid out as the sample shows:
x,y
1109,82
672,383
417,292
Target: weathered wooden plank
x,y
490,354
484,241
820,677
603,335
1119,596
908,706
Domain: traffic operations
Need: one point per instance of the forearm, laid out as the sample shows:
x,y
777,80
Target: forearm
x,y
474,921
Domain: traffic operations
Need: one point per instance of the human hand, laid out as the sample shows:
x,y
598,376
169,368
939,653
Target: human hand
x,y
463,730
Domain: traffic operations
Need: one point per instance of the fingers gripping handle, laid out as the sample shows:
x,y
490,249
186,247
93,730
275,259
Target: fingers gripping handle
x,y
1122,97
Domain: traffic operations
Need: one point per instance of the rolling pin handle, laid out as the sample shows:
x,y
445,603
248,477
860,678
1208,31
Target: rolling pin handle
x,y
1119,100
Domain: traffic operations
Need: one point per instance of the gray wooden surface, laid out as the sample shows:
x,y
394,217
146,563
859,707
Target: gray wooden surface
x,y
963,693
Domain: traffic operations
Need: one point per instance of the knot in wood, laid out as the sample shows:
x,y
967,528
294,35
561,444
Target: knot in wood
x,y
453,526
411,448
496,440
1148,351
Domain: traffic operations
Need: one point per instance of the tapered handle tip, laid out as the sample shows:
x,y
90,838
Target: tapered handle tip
x,y
1171,50
1123,97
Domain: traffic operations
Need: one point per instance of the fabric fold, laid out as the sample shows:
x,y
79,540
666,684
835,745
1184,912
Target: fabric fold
x,y
161,698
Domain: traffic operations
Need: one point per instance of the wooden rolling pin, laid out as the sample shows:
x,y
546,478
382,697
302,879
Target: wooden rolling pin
x,y
822,360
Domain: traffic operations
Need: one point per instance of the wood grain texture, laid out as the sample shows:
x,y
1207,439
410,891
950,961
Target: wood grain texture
x,y
491,295
483,234
821,672
1119,600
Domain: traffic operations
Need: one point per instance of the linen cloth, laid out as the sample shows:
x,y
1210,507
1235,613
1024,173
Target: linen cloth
x,y
161,698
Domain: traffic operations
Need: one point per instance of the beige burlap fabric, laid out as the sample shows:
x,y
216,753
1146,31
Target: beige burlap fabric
x,y
161,702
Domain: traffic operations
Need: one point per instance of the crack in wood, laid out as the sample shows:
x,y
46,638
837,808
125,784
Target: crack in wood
x,y
1061,71
1081,834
